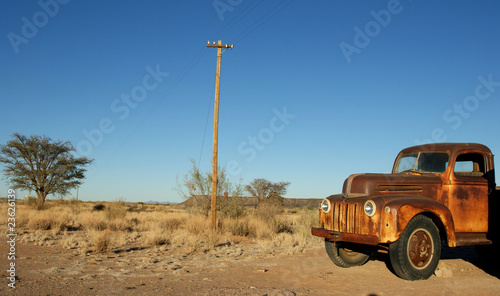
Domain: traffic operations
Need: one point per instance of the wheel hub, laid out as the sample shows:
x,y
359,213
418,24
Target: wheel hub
x,y
420,249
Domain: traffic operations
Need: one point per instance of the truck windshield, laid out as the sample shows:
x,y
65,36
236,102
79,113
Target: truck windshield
x,y
422,162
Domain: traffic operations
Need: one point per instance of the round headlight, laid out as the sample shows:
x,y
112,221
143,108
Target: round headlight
x,y
370,208
325,205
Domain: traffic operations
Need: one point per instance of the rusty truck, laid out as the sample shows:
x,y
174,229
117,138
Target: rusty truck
x,y
441,193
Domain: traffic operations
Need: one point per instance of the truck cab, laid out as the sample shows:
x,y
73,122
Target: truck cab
x,y
442,191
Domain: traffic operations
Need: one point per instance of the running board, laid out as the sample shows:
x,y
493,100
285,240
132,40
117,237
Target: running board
x,y
467,238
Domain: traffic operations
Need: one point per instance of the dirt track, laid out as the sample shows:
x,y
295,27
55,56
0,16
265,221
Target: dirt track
x,y
231,270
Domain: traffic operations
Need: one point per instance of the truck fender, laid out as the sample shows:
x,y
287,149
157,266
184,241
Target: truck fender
x,y
406,208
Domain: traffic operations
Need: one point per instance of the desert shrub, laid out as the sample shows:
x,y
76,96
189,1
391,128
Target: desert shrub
x,y
32,201
98,207
306,220
238,227
138,207
56,219
74,205
100,242
134,221
283,240
41,223
197,224
186,239
157,238
231,207
212,238
120,225
116,210
98,225
281,225
269,209
171,223
199,205
259,228
93,221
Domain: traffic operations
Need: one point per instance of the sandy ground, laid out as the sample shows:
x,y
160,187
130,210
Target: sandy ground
x,y
241,269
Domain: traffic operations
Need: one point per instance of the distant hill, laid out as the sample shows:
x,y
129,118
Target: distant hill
x,y
252,202
160,202
312,203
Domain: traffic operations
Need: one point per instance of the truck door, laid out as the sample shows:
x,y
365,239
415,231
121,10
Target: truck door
x,y
468,199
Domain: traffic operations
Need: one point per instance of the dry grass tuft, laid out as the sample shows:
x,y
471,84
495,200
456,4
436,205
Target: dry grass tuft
x,y
198,224
238,227
116,210
100,241
260,229
46,220
172,223
157,237
93,221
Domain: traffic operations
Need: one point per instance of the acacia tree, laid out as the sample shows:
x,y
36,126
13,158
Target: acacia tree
x,y
269,197
263,189
37,163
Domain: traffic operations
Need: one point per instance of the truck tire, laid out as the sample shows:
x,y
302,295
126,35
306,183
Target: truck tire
x,y
344,257
415,255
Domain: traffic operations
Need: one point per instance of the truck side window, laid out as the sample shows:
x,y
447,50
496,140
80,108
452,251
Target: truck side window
x,y
470,165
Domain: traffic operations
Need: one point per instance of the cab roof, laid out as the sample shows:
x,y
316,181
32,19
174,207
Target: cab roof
x,y
451,148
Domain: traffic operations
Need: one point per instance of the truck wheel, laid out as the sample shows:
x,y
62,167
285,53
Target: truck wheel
x,y
416,254
344,257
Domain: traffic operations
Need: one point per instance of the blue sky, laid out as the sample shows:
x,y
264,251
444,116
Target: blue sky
x,y
313,90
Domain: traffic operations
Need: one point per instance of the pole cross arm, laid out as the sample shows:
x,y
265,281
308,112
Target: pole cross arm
x,y
220,45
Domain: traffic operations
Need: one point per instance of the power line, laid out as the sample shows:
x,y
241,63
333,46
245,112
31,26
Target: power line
x,y
201,52
256,24
179,78
165,94
244,12
248,30
206,123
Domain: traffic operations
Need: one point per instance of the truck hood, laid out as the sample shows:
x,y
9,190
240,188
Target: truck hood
x,y
361,185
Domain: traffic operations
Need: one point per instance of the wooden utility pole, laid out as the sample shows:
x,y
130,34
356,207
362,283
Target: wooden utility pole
x,y
219,47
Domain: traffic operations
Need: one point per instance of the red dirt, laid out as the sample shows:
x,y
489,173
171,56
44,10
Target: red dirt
x,y
230,270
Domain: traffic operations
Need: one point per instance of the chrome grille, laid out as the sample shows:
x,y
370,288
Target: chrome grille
x,y
346,217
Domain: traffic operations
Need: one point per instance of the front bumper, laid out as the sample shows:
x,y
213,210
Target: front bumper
x,y
346,237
